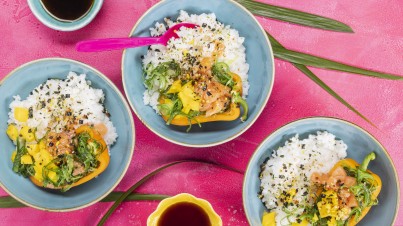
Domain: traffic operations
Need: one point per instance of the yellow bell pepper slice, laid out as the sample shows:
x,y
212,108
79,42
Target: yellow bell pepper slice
x,y
377,183
103,158
187,97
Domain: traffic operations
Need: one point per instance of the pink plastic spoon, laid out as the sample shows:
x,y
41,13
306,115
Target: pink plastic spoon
x,y
97,45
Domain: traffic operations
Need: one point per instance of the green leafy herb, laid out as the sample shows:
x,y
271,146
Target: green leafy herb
x,y
318,81
87,151
221,71
294,16
24,170
174,108
10,202
236,98
364,188
157,78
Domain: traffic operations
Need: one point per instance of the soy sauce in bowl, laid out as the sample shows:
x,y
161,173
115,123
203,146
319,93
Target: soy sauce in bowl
x,y
67,10
184,214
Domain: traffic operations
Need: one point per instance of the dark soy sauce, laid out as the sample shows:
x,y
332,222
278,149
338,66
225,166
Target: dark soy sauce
x,y
67,10
184,214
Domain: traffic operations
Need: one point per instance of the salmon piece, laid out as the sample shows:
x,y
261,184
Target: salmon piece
x,y
319,178
101,128
352,201
350,181
60,143
215,97
339,173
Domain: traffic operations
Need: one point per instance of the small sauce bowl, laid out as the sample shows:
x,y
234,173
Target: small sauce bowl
x,y
49,20
166,208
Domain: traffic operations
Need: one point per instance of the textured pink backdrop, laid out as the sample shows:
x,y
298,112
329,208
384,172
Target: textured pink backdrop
x,y
376,44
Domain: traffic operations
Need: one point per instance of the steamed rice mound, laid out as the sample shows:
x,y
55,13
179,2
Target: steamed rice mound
x,y
289,169
51,101
197,44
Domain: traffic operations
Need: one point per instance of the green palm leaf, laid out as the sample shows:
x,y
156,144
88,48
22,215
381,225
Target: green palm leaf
x,y
148,177
314,61
294,16
10,202
317,80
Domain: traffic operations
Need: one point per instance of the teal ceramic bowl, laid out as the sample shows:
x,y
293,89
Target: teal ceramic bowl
x,y
48,20
360,143
23,80
259,56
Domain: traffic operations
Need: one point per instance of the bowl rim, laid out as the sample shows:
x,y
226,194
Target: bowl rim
x,y
132,127
276,131
213,143
82,22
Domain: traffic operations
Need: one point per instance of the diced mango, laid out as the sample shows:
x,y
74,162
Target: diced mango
x,y
45,156
21,114
13,155
26,159
176,87
32,149
189,98
269,219
12,132
53,176
38,171
332,222
27,133
42,144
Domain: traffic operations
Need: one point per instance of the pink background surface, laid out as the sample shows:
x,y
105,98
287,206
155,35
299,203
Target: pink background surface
x,y
376,44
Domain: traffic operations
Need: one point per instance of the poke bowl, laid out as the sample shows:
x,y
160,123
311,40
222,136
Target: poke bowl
x,y
256,70
341,143
44,167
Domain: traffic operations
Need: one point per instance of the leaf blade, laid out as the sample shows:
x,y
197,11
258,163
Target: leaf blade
x,y
10,202
319,62
329,90
294,16
149,176
318,81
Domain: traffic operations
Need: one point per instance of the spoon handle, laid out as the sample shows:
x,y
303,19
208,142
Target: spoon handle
x,y
97,45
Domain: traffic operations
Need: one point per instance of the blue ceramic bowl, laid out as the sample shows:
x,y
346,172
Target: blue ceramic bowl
x,y
47,19
258,55
23,80
360,143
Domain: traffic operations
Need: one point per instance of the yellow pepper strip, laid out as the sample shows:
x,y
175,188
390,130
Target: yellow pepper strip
x,y
238,83
103,157
230,115
350,163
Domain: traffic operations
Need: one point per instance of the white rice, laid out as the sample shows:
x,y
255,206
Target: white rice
x,y
195,43
291,166
75,95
